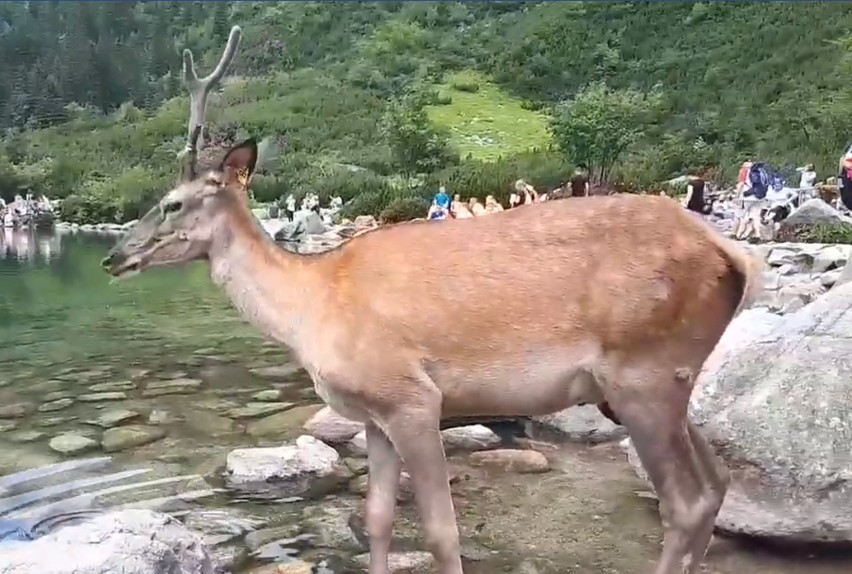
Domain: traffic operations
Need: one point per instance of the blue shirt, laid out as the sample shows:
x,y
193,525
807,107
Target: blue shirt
x,y
442,200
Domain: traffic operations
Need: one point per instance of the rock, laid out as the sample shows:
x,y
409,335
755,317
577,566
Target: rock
x,y
778,405
781,256
57,405
22,436
282,372
403,562
281,423
267,396
830,257
15,410
358,444
207,423
332,525
99,397
813,212
470,437
511,460
72,443
300,462
258,538
294,567
365,222
331,427
57,395
113,417
160,417
405,493
6,426
128,541
583,423
121,438
845,275
257,410
113,386
176,386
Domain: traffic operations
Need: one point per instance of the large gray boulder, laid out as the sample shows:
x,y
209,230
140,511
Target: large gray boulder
x,y
777,402
129,541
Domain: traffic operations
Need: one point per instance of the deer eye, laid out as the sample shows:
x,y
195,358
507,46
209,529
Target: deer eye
x,y
173,207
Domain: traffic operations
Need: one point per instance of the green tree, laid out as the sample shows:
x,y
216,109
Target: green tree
x,y
597,125
417,146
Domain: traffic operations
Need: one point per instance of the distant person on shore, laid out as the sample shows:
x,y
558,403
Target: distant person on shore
x,y
695,201
442,198
845,178
526,191
290,207
476,208
808,178
492,205
437,212
579,183
459,209
514,200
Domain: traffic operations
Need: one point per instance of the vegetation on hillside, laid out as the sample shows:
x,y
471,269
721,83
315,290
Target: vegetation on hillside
x,y
380,102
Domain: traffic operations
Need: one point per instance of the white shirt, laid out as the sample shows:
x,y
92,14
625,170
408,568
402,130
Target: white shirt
x,y
808,179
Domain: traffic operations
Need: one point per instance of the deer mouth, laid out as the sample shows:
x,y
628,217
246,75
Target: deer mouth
x,y
123,268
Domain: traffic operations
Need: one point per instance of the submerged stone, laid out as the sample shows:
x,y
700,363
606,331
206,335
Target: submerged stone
x,y
121,438
113,417
72,443
56,405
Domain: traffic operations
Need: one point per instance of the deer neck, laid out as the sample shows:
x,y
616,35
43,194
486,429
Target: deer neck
x,y
272,288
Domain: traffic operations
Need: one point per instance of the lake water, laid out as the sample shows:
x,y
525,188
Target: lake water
x,y
164,355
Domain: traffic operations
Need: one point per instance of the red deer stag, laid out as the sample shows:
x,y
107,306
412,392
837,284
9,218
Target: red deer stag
x,y
622,313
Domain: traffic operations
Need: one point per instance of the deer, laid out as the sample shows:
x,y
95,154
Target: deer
x,y
621,314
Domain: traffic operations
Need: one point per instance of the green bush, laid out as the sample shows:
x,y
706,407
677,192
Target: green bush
x,y
404,209
820,233
465,86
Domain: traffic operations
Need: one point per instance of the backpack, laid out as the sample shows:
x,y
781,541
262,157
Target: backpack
x,y
759,179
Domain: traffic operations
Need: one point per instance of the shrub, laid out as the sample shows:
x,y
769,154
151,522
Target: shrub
x,y
468,86
404,209
819,233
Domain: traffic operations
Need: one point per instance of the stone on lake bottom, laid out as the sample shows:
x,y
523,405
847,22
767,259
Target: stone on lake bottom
x,y
281,372
72,443
22,436
329,426
512,460
470,437
113,386
176,386
120,438
113,417
257,410
56,405
267,396
282,422
294,567
15,410
98,397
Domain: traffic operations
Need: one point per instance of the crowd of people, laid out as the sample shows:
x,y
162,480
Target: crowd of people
x,y
444,207
21,211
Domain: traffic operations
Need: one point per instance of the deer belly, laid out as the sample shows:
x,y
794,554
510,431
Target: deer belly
x,y
340,404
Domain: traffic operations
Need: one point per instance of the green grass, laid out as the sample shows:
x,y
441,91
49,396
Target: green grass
x,y
487,123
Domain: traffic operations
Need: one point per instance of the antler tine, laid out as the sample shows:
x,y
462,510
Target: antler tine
x,y
199,89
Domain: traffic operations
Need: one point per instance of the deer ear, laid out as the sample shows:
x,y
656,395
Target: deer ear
x,y
239,163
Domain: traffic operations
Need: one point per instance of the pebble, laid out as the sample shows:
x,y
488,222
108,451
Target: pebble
x,y
113,417
331,427
267,396
178,386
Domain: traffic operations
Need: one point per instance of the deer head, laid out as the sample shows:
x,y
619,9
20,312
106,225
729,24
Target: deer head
x,y
181,227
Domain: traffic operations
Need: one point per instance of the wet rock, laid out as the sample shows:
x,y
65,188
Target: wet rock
x,y
121,438
221,525
511,460
403,562
830,257
160,417
176,386
281,423
207,423
297,464
6,426
829,278
57,405
358,485
329,426
470,437
15,410
129,541
583,423
23,436
54,421
267,396
282,372
257,410
331,524
57,395
113,386
258,538
113,417
72,443
100,397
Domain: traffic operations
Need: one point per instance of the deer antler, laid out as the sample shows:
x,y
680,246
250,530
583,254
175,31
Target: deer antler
x,y
199,89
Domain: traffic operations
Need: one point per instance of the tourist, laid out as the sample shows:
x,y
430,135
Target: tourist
x,y
846,182
437,212
695,201
807,181
579,183
514,200
492,205
442,198
459,209
526,191
475,207
290,207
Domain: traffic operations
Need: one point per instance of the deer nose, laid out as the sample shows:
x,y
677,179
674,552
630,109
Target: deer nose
x,y
107,261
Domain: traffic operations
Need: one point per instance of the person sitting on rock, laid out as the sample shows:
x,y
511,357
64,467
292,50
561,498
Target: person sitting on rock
x,y
526,191
695,201
492,205
475,207
459,209
437,211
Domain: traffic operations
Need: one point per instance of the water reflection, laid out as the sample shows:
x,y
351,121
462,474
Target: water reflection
x,y
27,245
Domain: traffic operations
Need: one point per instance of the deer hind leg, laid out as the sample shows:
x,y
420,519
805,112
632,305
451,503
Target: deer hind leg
x,y
682,467
382,487
414,430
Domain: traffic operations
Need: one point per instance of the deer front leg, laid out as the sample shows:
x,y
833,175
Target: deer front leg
x,y
414,429
382,487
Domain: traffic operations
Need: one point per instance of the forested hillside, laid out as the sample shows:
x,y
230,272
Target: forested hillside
x,y
381,101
